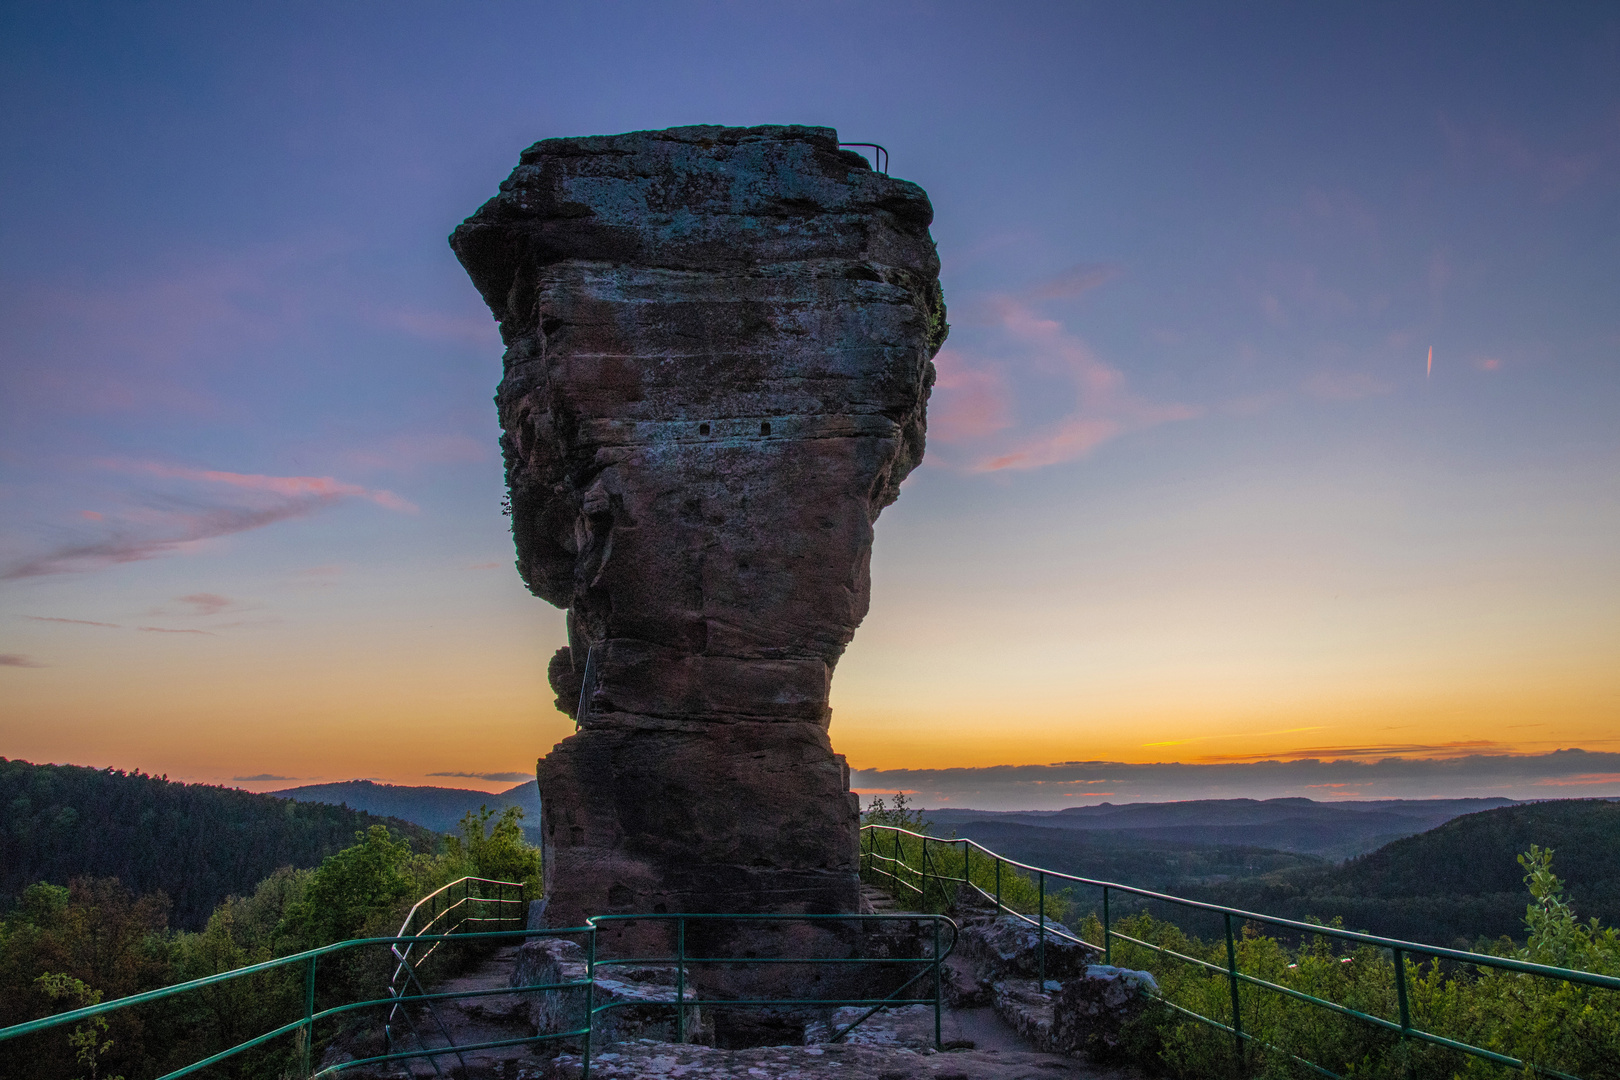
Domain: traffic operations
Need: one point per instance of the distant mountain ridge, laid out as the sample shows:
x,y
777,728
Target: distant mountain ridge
x,y
1133,856
1332,830
437,808
1458,882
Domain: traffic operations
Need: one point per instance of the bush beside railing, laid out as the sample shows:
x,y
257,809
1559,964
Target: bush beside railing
x,y
1340,1004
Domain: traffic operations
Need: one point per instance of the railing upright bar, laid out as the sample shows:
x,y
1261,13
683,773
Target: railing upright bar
x,y
1108,940
1405,1010
309,1013
680,981
998,885
939,1043
590,1004
922,873
1237,1017
1041,947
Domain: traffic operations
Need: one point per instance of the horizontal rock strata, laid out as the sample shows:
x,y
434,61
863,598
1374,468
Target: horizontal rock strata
x,y
718,355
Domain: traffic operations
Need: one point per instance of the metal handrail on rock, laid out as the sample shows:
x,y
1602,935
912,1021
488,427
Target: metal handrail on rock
x,y
891,866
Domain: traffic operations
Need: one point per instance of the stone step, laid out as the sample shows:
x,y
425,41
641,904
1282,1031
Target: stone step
x,y
876,901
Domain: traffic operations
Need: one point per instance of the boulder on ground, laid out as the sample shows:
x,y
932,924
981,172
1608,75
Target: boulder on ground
x,y
1091,1012
1007,947
641,995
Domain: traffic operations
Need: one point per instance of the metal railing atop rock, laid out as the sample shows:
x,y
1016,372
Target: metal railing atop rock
x,y
457,914
440,908
883,855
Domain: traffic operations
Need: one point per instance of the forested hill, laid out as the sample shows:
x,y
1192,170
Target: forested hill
x,y
1461,881
437,808
195,842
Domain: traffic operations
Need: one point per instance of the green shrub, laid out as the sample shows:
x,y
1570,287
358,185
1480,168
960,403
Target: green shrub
x,y
1551,1023
93,934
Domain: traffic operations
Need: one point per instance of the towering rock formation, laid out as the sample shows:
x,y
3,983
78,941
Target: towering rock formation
x,y
719,348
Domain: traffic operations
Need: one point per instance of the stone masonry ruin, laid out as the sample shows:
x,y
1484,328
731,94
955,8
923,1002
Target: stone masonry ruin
x,y
719,348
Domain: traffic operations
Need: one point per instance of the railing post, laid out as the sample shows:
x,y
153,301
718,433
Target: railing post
x,y
309,1013
1406,1013
1237,1016
938,1042
590,1004
898,863
1041,947
998,885
922,897
1108,941
680,980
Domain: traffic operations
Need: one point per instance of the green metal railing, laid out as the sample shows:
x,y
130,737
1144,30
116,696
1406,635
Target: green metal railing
x,y
304,1027
892,868
400,1001
932,967
442,911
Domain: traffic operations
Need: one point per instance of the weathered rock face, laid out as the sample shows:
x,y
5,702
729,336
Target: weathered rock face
x,y
719,346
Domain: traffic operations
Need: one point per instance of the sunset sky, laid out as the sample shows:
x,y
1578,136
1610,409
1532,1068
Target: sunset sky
x,y
1192,493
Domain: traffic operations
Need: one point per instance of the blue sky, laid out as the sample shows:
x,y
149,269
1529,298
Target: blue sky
x,y
1192,490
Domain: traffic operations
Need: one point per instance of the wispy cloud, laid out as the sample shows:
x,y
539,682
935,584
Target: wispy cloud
x,y
1232,735
75,622
260,778
1556,172
970,403
512,777
184,529
324,488
18,660
1562,774
1075,281
205,603
171,630
1104,407
1017,347
263,500
1386,750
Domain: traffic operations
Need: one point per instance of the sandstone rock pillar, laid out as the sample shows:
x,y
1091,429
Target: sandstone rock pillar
x,y
719,349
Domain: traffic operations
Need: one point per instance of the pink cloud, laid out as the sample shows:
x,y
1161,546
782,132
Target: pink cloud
x,y
76,622
1579,781
154,533
168,630
205,603
18,660
1555,171
969,403
184,530
1104,407
318,487
1075,281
